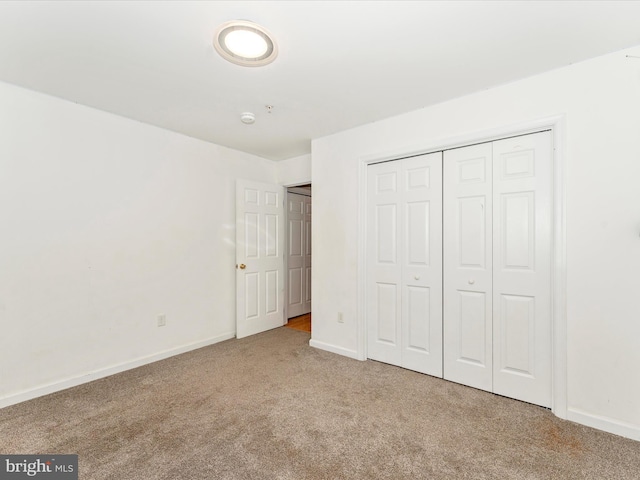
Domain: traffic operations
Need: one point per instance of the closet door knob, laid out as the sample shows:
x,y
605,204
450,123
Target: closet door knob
x,y
471,281
416,277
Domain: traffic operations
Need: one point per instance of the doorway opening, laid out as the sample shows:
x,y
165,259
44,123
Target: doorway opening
x,y
298,257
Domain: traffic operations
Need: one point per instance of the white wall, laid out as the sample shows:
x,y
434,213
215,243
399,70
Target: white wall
x,y
106,224
294,171
601,100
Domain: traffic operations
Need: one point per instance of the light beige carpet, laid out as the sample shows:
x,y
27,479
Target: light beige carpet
x,y
271,407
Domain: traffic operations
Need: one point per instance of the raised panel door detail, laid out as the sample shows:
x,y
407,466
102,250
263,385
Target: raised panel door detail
x,y
471,231
418,309
296,206
252,288
295,286
519,164
387,302
472,170
518,229
518,327
295,238
386,232
418,178
417,233
472,327
386,183
308,207
251,196
271,199
271,284
251,229
271,240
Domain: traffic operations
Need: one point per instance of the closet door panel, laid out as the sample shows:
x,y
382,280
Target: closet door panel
x,y
522,268
404,263
468,295
422,264
384,267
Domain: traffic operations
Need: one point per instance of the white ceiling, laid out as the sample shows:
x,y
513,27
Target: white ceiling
x,y
341,64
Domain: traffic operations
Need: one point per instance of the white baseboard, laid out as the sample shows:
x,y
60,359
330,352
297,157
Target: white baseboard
x,y
334,349
105,372
606,424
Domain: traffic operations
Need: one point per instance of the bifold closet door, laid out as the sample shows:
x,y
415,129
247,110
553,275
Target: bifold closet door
x,y
468,266
522,180
404,263
497,267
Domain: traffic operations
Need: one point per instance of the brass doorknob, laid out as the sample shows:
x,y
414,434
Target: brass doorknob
x,y
242,266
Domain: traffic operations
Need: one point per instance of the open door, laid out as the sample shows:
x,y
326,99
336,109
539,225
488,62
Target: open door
x,y
298,254
259,257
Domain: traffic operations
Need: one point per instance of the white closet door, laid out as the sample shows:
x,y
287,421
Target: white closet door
x,y
422,264
384,273
468,266
522,268
404,263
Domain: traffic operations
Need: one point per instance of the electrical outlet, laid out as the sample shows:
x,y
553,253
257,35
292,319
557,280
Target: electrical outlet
x,y
162,320
340,318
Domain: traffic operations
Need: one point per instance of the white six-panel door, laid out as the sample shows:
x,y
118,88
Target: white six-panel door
x,y
259,257
298,254
404,261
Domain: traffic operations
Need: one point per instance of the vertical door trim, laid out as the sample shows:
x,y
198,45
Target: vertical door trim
x,y
558,248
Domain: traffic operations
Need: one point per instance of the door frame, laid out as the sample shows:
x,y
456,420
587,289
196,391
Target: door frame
x,y
554,123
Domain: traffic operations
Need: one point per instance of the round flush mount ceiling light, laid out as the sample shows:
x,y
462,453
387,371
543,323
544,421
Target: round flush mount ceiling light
x,y
245,43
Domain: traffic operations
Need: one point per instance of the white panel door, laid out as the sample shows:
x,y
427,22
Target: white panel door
x,y
468,266
422,264
522,268
298,254
384,272
404,262
259,257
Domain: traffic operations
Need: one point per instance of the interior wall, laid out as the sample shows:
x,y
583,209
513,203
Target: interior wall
x,y
294,171
602,151
108,223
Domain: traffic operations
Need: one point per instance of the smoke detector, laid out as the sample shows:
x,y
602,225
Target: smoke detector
x,y
247,118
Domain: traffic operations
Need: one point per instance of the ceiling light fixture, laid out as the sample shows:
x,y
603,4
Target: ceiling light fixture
x,y
245,43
